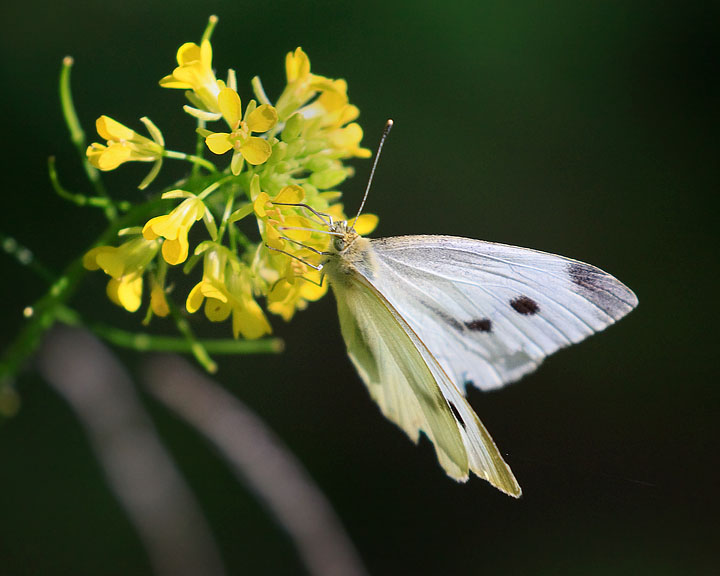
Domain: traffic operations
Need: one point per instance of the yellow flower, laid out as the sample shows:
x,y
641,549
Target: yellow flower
x,y
125,264
248,317
158,300
126,292
271,216
126,145
299,286
174,227
194,72
245,146
301,84
225,289
345,142
332,108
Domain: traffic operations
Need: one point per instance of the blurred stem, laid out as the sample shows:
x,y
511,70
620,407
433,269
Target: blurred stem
x,y
77,136
260,460
25,257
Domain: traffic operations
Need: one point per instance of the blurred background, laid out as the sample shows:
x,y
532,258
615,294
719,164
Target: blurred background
x,y
587,129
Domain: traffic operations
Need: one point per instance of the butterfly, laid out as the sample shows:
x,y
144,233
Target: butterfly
x,y
424,316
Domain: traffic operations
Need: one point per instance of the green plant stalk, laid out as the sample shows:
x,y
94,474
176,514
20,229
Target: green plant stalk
x,y
80,199
150,342
195,159
43,313
196,347
144,342
77,136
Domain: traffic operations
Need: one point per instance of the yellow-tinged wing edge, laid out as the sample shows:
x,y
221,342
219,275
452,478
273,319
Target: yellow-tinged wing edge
x,y
411,387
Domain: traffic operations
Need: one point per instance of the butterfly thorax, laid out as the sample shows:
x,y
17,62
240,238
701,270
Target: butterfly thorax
x,y
347,248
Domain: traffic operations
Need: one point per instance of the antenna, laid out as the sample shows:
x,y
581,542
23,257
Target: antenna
x,y
386,131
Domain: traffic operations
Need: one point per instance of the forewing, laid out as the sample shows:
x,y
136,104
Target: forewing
x,y
490,312
412,389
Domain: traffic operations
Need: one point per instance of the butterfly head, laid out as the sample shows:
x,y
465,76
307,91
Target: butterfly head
x,y
343,236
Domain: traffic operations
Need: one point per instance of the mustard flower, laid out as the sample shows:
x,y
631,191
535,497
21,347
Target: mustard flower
x,y
175,226
194,72
273,217
226,289
125,264
158,300
245,146
126,145
299,286
301,84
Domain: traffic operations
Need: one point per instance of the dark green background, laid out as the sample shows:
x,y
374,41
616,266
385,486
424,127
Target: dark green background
x,y
587,129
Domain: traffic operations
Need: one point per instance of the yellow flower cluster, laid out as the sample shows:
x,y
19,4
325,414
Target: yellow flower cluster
x,y
287,158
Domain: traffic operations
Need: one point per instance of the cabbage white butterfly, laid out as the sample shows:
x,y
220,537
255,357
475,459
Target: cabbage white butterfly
x,y
422,316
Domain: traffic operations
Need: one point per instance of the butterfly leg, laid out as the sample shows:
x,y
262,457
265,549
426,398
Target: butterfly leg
x,y
305,246
313,266
326,218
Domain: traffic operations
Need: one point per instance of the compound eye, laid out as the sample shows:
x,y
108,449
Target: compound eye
x,y
339,243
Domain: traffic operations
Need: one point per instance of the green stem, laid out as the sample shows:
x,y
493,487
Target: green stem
x,y
43,313
196,160
144,342
229,204
196,347
148,342
199,148
80,199
77,136
259,91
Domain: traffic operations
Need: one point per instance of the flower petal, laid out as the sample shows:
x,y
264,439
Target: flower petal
x,y
195,299
217,311
171,82
259,204
297,65
176,251
158,302
112,130
148,230
187,53
292,194
230,106
256,150
113,156
262,118
90,258
126,292
219,142
249,320
206,53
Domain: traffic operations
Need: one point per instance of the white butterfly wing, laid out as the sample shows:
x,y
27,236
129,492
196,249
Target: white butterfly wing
x,y
411,387
490,312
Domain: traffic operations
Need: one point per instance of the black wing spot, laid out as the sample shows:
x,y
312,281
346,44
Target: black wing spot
x,y
456,413
525,306
480,325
